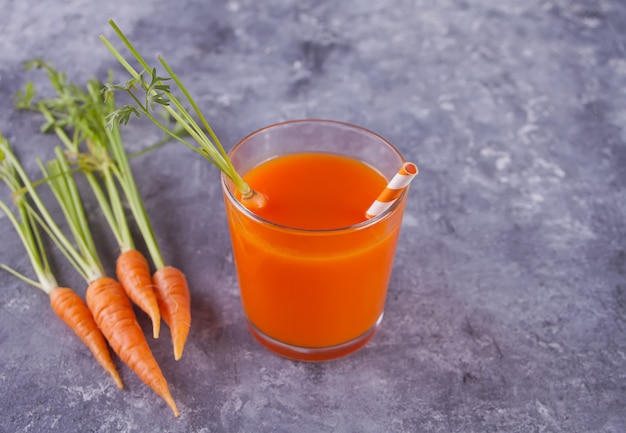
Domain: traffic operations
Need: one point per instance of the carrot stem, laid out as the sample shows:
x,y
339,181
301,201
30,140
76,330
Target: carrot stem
x,y
88,267
66,192
106,210
129,187
24,230
158,93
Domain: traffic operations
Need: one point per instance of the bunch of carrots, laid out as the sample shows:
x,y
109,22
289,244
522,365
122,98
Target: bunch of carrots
x,y
86,122
94,149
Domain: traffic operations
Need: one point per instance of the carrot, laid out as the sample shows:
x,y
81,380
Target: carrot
x,y
106,299
73,311
133,272
67,305
116,318
86,112
174,302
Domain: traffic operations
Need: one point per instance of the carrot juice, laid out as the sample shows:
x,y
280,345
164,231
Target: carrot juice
x,y
325,285
313,271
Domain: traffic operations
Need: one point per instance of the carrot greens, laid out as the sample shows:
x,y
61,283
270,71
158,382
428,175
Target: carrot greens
x,y
82,254
76,116
156,92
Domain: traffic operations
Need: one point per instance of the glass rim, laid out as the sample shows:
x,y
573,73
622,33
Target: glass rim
x,y
358,226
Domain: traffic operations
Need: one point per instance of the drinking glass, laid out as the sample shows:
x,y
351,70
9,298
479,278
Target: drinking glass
x,y
313,295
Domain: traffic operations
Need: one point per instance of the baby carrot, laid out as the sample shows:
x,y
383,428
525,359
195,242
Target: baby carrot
x,y
73,311
115,317
133,272
172,293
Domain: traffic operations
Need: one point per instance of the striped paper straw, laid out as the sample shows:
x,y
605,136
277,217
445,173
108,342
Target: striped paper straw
x,y
392,191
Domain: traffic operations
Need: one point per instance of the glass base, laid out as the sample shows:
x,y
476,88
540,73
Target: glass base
x,y
313,353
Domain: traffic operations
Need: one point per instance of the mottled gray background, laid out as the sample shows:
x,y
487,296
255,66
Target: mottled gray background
x,y
507,305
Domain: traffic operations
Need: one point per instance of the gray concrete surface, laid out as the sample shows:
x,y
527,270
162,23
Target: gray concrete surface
x,y
507,305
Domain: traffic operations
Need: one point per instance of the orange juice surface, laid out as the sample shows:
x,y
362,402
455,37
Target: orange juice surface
x,y
304,283
315,190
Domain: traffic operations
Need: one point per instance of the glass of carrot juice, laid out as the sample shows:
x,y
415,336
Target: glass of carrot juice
x,y
313,270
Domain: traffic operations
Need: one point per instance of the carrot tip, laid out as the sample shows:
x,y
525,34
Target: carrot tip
x,y
178,342
172,404
178,354
156,328
117,379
